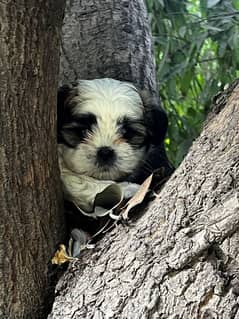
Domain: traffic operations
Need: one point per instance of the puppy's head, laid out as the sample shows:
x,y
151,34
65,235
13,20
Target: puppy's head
x,y
102,128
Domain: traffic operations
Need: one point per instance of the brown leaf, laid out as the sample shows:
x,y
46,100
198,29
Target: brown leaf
x,y
138,197
61,256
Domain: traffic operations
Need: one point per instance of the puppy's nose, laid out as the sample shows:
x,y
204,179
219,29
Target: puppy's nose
x,y
105,155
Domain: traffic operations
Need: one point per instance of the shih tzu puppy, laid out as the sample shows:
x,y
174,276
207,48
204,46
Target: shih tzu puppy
x,y
109,131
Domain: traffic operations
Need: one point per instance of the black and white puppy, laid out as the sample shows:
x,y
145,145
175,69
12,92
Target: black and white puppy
x,y
106,131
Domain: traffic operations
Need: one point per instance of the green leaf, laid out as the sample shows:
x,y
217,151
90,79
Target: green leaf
x,y
212,3
203,7
210,27
186,81
235,4
182,31
222,49
196,52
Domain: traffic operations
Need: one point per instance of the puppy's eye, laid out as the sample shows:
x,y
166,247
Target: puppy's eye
x,y
84,131
75,131
133,131
128,132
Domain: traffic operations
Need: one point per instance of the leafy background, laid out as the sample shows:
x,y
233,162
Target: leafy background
x,y
197,54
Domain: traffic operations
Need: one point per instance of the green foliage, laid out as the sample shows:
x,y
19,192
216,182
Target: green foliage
x,y
197,53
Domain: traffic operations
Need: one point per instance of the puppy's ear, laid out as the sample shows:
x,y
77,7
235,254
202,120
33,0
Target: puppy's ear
x,y
155,118
63,95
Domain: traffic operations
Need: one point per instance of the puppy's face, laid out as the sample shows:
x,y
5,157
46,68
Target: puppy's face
x,y
102,132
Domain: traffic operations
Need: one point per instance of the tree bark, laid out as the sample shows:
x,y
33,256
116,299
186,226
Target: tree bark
x,y
180,259
107,38
30,221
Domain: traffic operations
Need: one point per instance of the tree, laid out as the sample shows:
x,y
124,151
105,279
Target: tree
x,y
178,260
30,222
196,50
107,39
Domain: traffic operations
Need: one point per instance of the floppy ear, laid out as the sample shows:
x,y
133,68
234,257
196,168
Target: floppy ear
x,y
155,159
156,122
63,111
156,119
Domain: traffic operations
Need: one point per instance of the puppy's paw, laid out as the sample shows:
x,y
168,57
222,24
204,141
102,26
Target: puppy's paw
x,y
129,189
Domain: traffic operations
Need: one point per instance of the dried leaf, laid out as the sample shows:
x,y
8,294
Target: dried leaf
x,y
94,198
61,256
138,197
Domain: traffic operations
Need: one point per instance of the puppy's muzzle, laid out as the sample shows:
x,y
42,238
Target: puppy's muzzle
x,y
105,156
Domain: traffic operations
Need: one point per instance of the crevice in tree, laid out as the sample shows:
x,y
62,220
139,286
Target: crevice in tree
x,y
55,272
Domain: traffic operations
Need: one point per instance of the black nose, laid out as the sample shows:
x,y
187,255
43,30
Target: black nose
x,y
105,155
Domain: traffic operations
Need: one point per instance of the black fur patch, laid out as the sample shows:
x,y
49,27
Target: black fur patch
x,y
75,131
134,132
71,128
156,123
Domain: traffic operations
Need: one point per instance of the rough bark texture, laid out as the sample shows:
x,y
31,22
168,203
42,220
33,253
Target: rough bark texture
x,y
180,259
107,38
30,223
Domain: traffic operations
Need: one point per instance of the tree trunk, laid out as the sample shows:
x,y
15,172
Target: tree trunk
x,y
107,38
30,222
180,259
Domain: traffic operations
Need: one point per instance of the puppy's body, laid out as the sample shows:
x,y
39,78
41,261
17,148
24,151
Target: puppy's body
x,y
105,131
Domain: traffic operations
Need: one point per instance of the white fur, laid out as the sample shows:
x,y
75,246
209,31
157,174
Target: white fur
x,y
109,100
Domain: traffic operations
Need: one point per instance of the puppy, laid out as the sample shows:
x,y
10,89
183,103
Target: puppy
x,y
107,131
